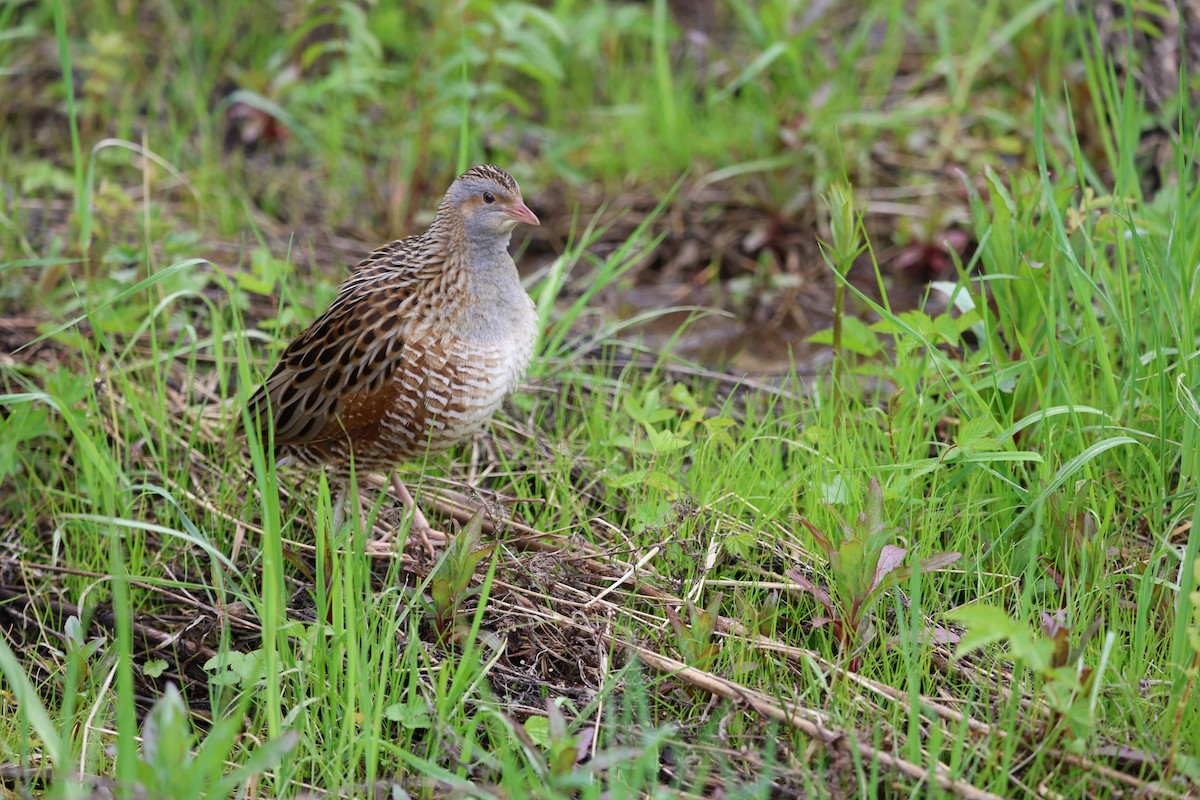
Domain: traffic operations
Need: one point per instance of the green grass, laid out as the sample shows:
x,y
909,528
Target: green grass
x,y
642,610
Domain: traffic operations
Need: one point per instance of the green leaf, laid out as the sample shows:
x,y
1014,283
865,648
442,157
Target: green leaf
x,y
663,482
835,491
43,175
980,434
235,668
681,397
254,284
409,715
563,757
663,441
154,668
251,668
985,624
538,729
857,337
167,738
740,543
947,329
648,412
905,324
440,590
1033,652
631,478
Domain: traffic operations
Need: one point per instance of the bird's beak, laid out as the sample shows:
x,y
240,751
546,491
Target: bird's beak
x,y
521,213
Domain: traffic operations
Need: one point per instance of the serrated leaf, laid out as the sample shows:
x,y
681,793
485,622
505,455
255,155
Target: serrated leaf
x,y
664,441
632,478
682,397
740,543
657,479
985,624
946,329
409,715
538,729
858,337
980,434
154,668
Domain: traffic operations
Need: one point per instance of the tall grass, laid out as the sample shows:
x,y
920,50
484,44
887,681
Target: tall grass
x,y
1043,426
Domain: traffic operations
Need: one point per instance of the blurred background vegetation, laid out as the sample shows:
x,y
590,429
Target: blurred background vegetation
x,y
317,125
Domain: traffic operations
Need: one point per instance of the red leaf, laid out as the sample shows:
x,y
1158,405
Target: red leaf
x,y
939,635
822,541
891,558
938,561
583,742
810,587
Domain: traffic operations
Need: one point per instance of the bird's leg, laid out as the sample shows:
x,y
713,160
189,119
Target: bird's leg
x,y
339,510
353,491
420,525
380,546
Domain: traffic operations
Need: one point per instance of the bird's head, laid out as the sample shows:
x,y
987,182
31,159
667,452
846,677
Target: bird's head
x,y
488,202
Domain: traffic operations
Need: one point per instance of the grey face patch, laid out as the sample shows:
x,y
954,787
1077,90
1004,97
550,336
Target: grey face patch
x,y
484,178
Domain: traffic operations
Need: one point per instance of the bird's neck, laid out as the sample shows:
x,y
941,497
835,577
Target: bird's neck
x,y
482,250
489,252
490,272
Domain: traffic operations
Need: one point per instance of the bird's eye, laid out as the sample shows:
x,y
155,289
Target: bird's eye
x,y
488,197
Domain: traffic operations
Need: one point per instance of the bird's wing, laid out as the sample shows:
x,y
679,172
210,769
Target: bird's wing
x,y
333,375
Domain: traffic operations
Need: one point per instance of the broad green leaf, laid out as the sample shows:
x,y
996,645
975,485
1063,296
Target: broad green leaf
x,y
985,624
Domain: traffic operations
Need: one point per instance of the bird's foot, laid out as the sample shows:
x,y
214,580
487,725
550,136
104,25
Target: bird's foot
x,y
384,544
380,547
420,525
426,532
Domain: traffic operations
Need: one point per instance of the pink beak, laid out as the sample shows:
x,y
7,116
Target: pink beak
x,y
521,213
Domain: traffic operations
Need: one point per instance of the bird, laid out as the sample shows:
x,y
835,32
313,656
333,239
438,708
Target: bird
x,y
416,352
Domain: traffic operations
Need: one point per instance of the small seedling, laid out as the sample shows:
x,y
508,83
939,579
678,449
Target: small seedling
x,y
175,762
451,581
695,638
84,652
555,749
237,669
864,564
1066,682
561,752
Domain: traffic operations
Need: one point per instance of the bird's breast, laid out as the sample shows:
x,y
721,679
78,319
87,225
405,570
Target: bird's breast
x,y
449,385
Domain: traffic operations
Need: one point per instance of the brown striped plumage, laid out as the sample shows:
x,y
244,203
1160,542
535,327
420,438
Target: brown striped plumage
x,y
417,350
